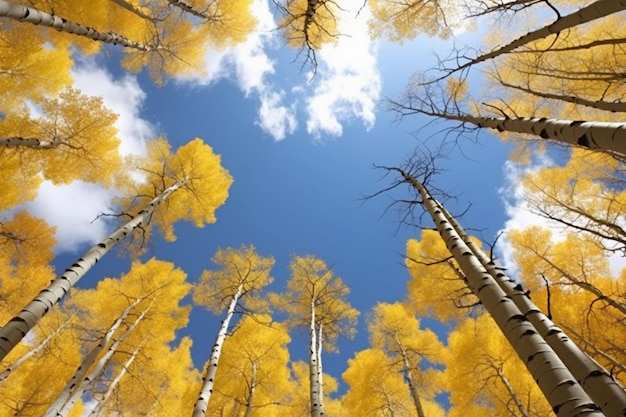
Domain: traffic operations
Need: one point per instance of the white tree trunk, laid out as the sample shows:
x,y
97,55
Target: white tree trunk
x,y
136,11
314,383
13,332
518,403
251,390
37,17
113,384
604,391
320,371
202,403
183,5
5,374
596,10
409,378
612,360
88,361
563,393
591,135
97,370
16,141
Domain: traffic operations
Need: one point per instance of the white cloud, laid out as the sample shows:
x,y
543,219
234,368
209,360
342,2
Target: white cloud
x,y
520,215
348,83
346,87
123,96
72,209
274,118
250,65
247,62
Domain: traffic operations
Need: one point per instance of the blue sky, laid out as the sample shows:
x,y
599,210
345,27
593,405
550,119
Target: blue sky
x,y
301,151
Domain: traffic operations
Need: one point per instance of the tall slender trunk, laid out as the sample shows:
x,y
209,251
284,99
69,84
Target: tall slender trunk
x,y
13,332
591,135
18,141
604,391
621,307
251,390
202,403
614,362
5,374
136,11
518,403
97,370
593,11
598,104
409,379
114,383
563,393
314,385
320,372
37,17
88,361
188,8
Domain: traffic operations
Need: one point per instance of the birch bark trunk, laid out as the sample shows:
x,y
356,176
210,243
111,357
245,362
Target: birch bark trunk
x,y
113,384
37,17
604,391
15,330
313,366
204,397
183,5
518,403
409,379
88,361
593,11
87,382
591,135
251,390
320,372
17,141
563,393
5,374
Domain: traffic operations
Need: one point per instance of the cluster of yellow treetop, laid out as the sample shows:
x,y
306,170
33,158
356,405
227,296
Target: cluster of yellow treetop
x,y
112,350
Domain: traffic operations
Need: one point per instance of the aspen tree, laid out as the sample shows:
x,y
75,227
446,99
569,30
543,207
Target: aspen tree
x,y
37,17
396,331
191,180
146,304
115,381
608,395
374,388
605,136
254,369
243,274
309,24
593,11
76,389
399,21
436,288
562,391
28,68
73,139
176,47
487,378
315,299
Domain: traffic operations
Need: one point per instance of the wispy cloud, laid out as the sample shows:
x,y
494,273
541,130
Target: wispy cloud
x,y
275,118
348,83
250,66
346,87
